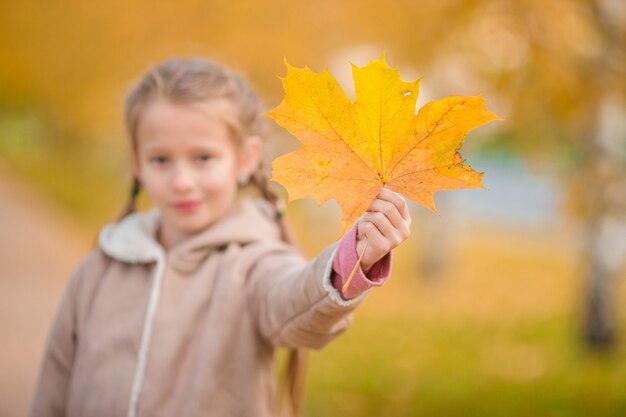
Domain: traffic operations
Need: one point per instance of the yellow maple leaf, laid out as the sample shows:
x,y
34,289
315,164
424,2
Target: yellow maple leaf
x,y
351,150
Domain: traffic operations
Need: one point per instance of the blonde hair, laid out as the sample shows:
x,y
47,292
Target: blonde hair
x,y
190,81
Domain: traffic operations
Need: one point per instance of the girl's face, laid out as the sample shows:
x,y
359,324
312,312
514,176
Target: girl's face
x,y
189,165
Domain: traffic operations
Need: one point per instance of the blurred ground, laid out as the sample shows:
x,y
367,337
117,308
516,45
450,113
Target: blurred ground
x,y
39,248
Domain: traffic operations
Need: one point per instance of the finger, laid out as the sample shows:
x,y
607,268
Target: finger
x,y
388,209
397,200
389,233
377,243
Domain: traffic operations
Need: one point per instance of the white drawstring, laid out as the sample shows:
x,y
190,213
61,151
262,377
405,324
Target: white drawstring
x,y
155,294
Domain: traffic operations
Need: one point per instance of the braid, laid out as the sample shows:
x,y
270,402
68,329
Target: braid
x,y
297,357
260,180
131,205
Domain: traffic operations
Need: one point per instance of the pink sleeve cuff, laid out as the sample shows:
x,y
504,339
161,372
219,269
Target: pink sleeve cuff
x,y
345,259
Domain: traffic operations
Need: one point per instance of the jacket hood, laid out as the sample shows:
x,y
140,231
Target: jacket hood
x,y
133,239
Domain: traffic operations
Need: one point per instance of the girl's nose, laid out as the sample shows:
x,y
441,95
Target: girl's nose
x,y
183,179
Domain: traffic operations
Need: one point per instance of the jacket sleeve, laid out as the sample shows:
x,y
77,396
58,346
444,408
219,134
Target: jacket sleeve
x,y
294,301
56,366
347,257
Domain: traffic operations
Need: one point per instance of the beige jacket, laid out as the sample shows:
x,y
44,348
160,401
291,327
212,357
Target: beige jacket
x,y
191,332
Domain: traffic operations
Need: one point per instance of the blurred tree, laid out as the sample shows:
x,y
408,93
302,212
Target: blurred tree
x,y
604,167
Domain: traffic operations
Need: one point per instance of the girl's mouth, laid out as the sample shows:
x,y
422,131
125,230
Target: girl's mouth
x,y
186,206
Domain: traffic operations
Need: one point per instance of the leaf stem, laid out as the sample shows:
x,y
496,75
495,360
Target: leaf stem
x,y
356,266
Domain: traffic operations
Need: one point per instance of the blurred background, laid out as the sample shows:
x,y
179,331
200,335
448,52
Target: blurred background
x,y
510,303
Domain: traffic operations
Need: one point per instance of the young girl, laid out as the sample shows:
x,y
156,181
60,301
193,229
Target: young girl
x,y
180,310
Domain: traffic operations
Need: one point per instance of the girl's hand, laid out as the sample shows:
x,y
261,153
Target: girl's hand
x,y
384,226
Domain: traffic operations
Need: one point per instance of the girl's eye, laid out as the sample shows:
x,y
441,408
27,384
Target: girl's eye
x,y
159,159
203,157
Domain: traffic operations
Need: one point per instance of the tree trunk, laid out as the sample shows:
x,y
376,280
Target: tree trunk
x,y
599,318
604,222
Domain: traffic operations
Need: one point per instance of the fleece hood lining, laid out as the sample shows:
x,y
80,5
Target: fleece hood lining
x,y
133,239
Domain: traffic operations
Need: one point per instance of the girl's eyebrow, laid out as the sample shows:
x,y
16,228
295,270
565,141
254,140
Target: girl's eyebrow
x,y
204,148
154,148
195,148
